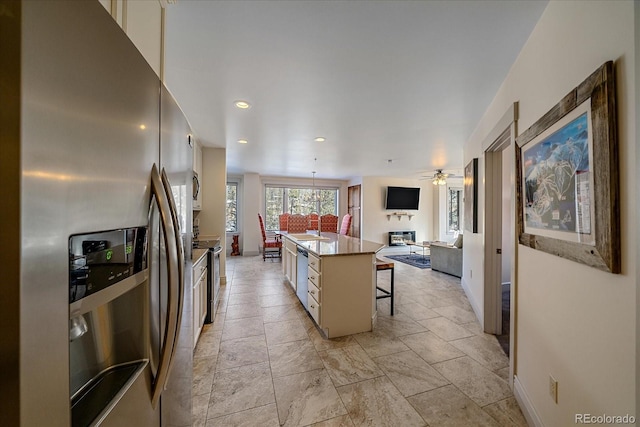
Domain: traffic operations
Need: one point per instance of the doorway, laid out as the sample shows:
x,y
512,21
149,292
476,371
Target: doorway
x,y
353,209
500,245
497,245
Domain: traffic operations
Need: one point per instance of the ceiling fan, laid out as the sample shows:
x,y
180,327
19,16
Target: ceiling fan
x,y
440,178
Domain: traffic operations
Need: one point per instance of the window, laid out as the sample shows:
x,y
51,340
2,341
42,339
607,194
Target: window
x,y
298,200
232,207
454,209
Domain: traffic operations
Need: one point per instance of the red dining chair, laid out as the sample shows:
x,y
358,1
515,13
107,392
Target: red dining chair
x,y
283,221
313,221
329,223
346,224
298,223
270,244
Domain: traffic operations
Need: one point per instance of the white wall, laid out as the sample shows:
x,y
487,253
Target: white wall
x,y
252,195
574,322
214,193
375,225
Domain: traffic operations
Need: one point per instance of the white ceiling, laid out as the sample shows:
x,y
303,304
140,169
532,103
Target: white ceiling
x,y
380,80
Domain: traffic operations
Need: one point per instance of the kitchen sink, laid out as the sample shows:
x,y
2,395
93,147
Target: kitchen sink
x,y
305,236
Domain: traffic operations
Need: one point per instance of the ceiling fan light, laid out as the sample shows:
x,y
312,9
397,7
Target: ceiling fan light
x,y
439,179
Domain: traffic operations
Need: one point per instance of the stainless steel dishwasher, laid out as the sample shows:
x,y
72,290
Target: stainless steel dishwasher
x,y
302,277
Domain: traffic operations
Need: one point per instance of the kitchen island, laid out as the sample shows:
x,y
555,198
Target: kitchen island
x,y
339,289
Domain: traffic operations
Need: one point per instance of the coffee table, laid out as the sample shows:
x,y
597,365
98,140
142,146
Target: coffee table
x,y
424,246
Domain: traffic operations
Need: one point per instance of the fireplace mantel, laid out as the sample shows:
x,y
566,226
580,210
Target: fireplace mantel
x,y
400,215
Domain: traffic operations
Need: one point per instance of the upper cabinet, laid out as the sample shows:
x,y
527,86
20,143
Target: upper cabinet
x,y
141,20
197,176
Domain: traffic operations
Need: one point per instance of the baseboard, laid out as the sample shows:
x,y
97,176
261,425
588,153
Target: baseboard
x,y
223,280
526,406
472,301
250,253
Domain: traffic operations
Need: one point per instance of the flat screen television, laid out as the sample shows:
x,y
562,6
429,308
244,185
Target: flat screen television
x,y
402,198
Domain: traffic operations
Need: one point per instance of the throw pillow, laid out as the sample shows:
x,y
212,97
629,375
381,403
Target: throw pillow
x,y
458,242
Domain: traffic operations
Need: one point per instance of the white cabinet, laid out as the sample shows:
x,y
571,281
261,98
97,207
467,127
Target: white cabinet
x,y
197,173
290,262
340,285
340,293
314,286
200,272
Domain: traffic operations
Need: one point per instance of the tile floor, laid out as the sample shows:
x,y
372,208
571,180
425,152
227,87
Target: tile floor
x,y
264,363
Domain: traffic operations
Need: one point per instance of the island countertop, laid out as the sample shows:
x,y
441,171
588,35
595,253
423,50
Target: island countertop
x,y
332,244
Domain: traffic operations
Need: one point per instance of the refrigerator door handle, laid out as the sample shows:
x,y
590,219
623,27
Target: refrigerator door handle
x,y
179,254
168,231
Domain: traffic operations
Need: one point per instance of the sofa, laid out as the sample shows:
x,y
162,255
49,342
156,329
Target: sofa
x,y
447,258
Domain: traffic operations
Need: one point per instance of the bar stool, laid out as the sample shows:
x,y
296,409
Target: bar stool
x,y
381,266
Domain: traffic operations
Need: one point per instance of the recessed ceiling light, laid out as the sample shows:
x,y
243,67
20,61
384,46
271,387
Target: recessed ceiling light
x,y
242,141
143,127
242,105
320,139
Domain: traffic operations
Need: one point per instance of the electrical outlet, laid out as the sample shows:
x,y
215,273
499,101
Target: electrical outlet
x,y
553,388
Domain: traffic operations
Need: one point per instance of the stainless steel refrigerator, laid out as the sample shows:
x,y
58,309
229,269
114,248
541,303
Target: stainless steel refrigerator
x,y
96,166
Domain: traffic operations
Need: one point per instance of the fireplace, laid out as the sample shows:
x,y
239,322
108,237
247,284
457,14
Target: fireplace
x,y
399,238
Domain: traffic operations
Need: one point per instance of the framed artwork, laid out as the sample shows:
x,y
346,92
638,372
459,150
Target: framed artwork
x,y
471,196
568,184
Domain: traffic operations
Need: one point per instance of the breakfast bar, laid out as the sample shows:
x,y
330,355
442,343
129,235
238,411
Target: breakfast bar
x,y
334,277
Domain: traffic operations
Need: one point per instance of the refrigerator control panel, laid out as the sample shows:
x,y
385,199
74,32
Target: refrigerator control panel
x,y
101,259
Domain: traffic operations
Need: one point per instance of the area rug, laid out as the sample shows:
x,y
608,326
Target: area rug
x,y
415,260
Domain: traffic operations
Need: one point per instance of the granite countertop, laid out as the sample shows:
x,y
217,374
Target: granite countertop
x,y
206,241
337,244
196,254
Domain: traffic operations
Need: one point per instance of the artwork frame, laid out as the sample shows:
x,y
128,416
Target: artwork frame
x,y
471,196
568,191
